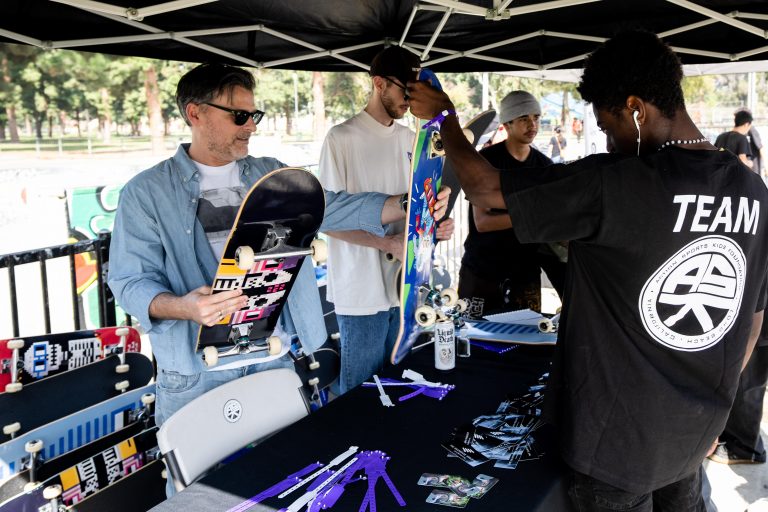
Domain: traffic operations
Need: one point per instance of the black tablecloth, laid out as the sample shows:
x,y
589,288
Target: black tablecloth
x,y
410,433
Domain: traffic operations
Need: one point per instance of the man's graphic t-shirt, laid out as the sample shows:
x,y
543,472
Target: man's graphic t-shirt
x,y
221,194
666,267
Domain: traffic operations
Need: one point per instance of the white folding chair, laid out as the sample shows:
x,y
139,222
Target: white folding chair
x,y
227,418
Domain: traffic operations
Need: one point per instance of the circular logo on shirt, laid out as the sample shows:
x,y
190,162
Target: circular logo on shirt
x,y
692,300
233,411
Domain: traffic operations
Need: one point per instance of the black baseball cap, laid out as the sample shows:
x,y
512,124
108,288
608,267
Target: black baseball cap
x,y
397,62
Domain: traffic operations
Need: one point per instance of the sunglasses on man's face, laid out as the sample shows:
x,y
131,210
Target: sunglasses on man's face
x,y
241,116
405,90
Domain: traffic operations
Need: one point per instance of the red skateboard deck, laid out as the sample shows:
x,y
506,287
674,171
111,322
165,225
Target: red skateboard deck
x,y
40,357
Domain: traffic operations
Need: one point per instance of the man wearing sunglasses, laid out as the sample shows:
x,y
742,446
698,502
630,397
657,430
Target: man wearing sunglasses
x,y
172,223
370,152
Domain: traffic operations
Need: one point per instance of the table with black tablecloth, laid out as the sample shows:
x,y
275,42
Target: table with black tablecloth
x,y
410,433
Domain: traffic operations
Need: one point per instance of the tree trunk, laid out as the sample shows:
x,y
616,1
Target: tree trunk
x,y
39,125
77,119
318,105
155,109
565,114
50,127
10,109
2,130
63,122
288,119
106,133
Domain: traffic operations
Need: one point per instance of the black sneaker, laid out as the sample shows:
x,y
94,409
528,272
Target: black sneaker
x,y
723,456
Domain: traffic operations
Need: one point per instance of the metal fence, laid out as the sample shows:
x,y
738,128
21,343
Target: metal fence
x,y
99,251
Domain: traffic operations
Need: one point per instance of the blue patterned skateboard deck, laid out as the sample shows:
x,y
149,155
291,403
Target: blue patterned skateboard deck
x,y
509,333
426,177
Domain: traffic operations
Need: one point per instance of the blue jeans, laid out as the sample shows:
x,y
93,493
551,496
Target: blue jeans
x,y
175,390
592,495
366,343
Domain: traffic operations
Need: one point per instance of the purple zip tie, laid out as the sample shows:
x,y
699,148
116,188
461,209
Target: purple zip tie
x,y
276,489
499,348
438,392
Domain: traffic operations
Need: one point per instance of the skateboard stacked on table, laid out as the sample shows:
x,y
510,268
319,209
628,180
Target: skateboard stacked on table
x,y
76,417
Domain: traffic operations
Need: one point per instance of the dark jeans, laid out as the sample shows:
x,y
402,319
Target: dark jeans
x,y
742,431
591,495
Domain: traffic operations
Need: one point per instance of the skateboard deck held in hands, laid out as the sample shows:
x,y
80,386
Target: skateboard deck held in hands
x,y
272,234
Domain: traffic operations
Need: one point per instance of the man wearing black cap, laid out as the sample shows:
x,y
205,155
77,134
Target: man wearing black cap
x,y
370,152
498,273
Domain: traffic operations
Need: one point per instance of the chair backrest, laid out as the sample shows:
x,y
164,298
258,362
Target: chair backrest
x,y
227,418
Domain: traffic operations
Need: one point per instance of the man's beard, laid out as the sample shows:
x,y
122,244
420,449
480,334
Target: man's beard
x,y
391,108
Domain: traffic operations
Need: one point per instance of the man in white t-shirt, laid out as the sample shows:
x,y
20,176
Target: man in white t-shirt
x,y
370,153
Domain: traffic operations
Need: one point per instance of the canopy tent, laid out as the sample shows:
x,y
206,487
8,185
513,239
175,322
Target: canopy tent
x,y
334,35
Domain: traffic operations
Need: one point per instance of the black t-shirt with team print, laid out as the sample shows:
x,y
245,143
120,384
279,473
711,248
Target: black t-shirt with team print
x,y
667,265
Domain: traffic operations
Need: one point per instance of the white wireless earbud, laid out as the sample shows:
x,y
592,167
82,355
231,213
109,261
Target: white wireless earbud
x,y
637,125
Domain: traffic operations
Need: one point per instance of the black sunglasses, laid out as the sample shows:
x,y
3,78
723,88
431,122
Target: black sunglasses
x,y
241,116
405,91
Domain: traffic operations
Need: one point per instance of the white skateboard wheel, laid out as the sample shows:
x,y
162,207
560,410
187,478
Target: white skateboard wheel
x,y
12,428
30,486
13,387
122,385
319,250
425,316
210,356
336,336
545,325
148,398
52,492
122,368
275,345
449,297
244,257
122,331
314,381
469,135
462,305
14,344
314,365
164,474
33,446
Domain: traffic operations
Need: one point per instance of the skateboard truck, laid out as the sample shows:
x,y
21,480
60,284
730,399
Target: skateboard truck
x,y
275,246
239,336
550,324
16,366
145,413
122,348
52,494
33,448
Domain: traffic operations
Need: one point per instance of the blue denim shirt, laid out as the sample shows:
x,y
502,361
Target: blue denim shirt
x,y
159,246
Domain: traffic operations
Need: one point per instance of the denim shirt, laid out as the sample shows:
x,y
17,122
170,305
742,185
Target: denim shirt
x,y
159,246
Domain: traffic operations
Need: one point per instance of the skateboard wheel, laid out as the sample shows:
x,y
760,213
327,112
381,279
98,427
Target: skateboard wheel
x,y
462,305
314,365
449,297
11,429
122,331
122,368
336,336
210,356
425,316
33,446
148,398
30,485
275,345
14,344
52,492
244,257
546,325
469,135
122,385
319,250
164,474
314,381
13,387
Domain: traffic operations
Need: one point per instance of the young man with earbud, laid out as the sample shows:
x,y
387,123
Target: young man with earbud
x,y
666,282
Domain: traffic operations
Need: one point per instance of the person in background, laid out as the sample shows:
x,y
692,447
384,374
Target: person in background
x,y
370,153
736,140
498,273
557,144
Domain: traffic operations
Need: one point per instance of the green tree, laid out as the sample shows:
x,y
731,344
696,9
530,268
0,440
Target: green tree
x,y
284,92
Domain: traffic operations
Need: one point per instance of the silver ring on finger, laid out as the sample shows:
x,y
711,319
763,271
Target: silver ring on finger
x,y
221,315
